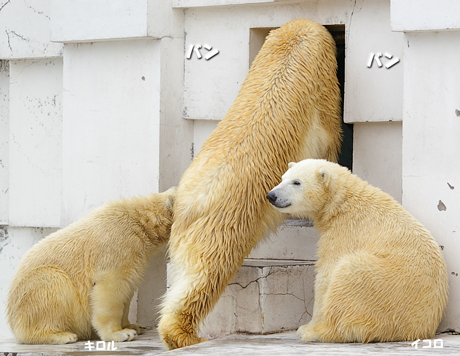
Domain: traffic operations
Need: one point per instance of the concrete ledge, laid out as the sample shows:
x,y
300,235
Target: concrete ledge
x,y
425,15
294,240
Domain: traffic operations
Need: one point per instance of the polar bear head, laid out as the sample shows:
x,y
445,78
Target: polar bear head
x,y
305,187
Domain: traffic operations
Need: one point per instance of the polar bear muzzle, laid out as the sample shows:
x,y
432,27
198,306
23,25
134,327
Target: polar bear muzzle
x,y
276,201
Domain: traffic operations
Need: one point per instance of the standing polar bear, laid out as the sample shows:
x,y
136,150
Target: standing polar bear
x,y
84,276
380,274
288,109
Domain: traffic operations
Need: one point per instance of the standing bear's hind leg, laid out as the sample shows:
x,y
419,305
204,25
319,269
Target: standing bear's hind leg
x,y
187,302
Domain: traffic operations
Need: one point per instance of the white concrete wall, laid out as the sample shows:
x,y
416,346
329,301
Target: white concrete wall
x,y
372,94
425,15
377,155
111,123
74,21
88,21
176,134
431,146
35,152
4,138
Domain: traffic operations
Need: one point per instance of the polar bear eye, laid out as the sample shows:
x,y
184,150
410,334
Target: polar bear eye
x,y
296,182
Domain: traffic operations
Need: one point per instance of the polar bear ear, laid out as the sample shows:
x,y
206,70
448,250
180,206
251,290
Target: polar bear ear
x,y
325,176
291,164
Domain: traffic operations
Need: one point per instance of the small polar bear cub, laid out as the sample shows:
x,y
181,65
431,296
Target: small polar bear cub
x,y
82,278
380,274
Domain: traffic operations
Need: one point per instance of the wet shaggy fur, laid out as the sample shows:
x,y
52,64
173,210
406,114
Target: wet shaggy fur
x,y
288,108
81,279
380,274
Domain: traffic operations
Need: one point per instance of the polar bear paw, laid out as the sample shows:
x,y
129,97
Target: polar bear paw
x,y
307,333
122,335
64,337
140,329
301,330
176,342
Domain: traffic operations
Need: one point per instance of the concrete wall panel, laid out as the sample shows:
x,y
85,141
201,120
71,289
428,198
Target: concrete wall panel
x,y
425,15
377,155
4,139
35,142
111,123
431,147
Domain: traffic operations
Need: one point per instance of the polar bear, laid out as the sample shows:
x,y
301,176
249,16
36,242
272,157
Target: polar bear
x,y
380,274
85,275
288,109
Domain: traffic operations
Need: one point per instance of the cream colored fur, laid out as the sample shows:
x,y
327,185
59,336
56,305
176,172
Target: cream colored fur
x,y
380,274
81,279
288,108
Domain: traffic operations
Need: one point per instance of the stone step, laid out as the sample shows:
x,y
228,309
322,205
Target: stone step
x,y
266,296
294,240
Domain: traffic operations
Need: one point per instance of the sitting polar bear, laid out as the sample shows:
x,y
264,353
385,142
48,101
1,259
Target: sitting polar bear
x,y
380,274
85,275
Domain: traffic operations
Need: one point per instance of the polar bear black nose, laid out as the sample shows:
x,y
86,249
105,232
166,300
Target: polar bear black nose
x,y
271,196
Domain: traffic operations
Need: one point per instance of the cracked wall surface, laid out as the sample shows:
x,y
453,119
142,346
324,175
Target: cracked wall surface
x,y
25,30
263,299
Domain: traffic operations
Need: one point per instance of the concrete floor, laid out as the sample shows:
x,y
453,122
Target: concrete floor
x,y
265,345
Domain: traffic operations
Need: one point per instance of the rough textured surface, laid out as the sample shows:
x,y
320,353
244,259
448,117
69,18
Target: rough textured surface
x,y
276,344
266,296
